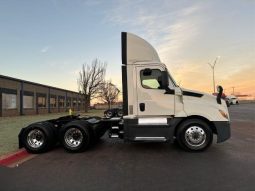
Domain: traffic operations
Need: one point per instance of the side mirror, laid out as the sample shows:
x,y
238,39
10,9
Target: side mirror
x,y
165,80
220,91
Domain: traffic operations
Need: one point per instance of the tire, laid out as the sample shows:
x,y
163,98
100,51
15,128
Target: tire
x,y
109,114
75,136
38,137
119,113
228,104
194,135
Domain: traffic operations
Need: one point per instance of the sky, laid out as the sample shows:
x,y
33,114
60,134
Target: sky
x,y
48,41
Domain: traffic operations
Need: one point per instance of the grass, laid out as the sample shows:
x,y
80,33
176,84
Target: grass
x,y
11,126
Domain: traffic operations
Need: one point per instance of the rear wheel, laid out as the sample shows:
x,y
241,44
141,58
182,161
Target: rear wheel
x,y
194,135
109,114
38,138
119,113
75,136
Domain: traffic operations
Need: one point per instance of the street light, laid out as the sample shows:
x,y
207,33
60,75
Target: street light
x,y
212,67
233,92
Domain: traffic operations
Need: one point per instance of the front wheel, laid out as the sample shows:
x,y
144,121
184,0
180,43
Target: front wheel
x,y
194,135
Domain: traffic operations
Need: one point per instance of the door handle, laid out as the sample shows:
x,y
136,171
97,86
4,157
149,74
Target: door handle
x,y
142,106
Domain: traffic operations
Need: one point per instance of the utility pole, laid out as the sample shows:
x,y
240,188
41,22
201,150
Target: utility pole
x,y
212,67
225,90
233,90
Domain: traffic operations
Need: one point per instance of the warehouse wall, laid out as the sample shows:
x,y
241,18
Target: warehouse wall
x,y
9,87
19,97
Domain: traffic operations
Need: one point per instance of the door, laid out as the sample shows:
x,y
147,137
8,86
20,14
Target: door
x,y
152,100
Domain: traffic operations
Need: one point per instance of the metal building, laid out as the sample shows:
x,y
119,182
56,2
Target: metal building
x,y
20,97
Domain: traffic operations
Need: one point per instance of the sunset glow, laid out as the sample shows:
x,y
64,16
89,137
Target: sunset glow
x,y
48,41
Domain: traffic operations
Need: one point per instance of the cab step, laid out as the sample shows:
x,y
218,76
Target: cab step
x,y
156,139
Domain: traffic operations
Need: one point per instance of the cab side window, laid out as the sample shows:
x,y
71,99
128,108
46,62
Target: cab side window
x,y
151,78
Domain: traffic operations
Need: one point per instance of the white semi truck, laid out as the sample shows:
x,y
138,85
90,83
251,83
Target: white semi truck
x,y
155,109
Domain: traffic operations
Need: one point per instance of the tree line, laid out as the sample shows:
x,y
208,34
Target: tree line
x,y
93,85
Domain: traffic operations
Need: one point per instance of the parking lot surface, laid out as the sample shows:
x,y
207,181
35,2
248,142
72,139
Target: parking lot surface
x,y
115,165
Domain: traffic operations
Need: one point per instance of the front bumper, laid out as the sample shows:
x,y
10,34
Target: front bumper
x,y
223,130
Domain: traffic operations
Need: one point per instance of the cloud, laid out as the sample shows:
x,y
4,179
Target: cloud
x,y
45,49
244,84
168,28
186,40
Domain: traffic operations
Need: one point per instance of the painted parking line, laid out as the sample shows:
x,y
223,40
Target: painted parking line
x,y
16,158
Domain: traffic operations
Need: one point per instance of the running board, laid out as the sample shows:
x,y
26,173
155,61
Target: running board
x,y
158,139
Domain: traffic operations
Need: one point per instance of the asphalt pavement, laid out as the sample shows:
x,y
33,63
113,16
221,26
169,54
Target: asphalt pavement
x,y
115,165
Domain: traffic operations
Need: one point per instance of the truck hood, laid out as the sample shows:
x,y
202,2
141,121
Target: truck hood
x,y
202,98
194,93
198,94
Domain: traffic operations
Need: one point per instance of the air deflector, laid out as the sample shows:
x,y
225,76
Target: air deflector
x,y
136,49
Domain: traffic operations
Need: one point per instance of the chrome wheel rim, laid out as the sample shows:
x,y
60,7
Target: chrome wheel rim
x,y
73,137
195,136
35,138
120,113
109,114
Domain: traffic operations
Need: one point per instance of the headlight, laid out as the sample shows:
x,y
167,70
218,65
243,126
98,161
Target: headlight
x,y
225,115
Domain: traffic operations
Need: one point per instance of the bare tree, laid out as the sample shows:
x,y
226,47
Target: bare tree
x,y
90,80
109,93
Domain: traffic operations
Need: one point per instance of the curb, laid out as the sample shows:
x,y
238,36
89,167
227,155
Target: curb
x,y
7,159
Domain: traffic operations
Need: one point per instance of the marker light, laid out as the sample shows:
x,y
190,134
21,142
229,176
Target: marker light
x,y
225,115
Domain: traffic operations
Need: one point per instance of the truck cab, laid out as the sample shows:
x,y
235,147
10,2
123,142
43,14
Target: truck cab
x,y
155,108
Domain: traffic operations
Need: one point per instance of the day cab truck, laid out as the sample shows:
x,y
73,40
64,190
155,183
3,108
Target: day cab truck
x,y
155,109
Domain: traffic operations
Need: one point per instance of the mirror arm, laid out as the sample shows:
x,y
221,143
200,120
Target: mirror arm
x,y
169,91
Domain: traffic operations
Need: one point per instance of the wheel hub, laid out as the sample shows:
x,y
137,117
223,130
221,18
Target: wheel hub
x,y
109,114
195,136
35,138
73,137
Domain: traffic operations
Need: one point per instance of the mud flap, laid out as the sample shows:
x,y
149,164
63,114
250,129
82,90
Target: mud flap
x,y
20,138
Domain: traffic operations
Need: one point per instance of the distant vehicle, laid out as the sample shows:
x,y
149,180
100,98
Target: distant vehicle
x,y
223,96
227,101
233,100
114,112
